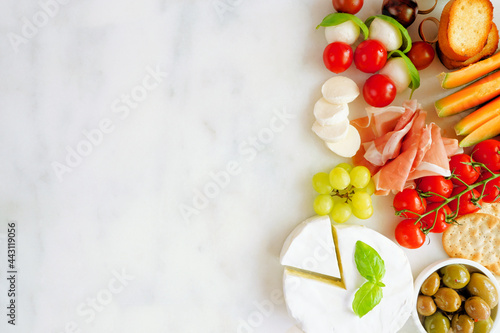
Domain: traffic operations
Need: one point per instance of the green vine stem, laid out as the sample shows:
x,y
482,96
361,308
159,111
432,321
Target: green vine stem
x,y
454,215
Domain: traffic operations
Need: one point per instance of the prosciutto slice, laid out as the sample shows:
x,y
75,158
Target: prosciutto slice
x,y
398,147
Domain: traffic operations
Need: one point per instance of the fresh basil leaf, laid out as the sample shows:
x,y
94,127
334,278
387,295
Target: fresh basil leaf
x,y
414,75
369,263
366,298
404,33
339,18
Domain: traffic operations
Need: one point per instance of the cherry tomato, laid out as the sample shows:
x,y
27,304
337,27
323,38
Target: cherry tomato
x,y
467,173
379,90
409,235
347,6
469,201
410,200
491,189
337,57
435,184
370,56
421,55
488,153
442,214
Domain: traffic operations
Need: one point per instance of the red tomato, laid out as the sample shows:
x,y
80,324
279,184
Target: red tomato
x,y
379,90
442,213
491,189
465,172
435,184
488,153
409,235
347,6
337,57
370,56
410,200
421,54
469,201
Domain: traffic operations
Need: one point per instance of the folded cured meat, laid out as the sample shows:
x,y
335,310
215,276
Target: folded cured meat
x,y
398,147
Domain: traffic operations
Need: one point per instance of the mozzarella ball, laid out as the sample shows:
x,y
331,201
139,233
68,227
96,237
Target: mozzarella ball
x,y
398,72
347,32
386,33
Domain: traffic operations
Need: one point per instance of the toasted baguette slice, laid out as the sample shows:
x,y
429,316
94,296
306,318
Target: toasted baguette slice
x,y
475,237
464,28
488,50
469,26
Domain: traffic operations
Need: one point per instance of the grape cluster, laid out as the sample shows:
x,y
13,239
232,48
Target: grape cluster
x,y
345,191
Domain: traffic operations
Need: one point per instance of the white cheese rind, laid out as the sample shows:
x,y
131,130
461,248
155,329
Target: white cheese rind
x,y
310,247
324,308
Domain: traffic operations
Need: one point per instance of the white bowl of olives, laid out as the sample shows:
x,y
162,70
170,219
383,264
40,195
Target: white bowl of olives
x,y
457,294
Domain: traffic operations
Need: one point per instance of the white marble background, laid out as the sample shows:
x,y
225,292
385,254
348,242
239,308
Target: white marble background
x,y
115,115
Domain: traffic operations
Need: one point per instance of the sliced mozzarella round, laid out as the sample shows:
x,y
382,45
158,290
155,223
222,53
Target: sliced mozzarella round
x,y
332,133
349,146
340,90
347,32
327,113
386,33
398,72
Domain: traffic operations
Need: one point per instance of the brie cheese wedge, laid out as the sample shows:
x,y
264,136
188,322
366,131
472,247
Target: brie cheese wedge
x,y
320,281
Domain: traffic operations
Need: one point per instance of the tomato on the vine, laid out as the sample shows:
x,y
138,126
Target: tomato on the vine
x,y
421,54
488,153
467,173
410,200
442,213
379,90
409,235
347,6
436,184
468,203
337,57
370,56
491,190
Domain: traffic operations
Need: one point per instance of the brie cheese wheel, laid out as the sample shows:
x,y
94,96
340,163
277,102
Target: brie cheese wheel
x,y
319,301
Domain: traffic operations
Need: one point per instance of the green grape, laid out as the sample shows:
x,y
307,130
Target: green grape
x,y
361,200
360,176
370,188
364,213
321,183
347,167
341,212
339,178
323,204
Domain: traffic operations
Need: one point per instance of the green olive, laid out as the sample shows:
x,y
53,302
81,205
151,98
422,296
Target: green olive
x,y
477,308
462,323
481,286
447,299
431,284
425,305
455,276
437,323
483,326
